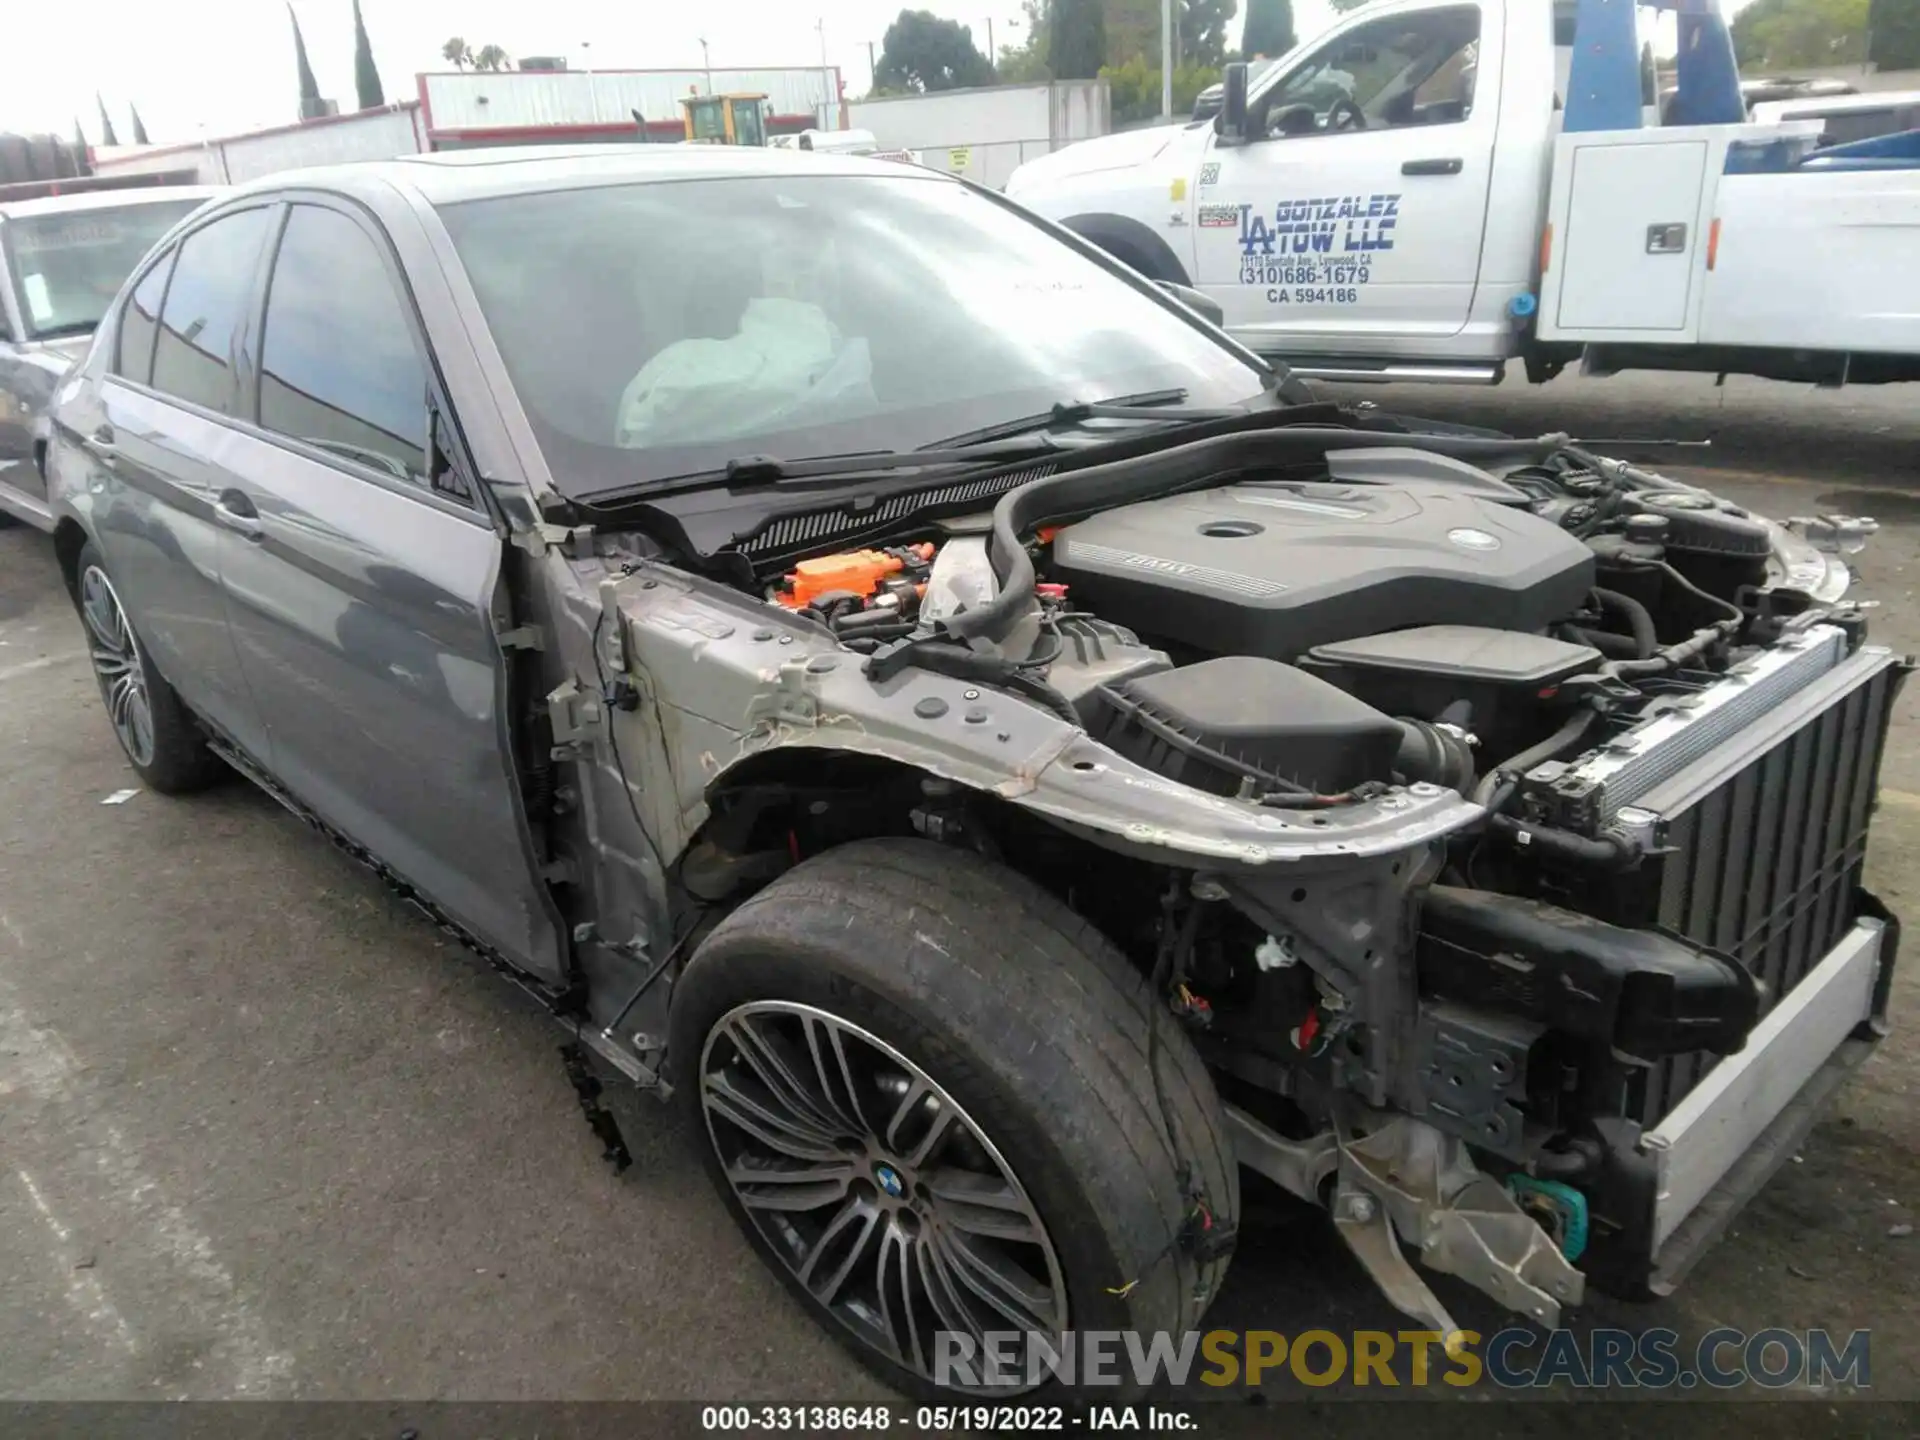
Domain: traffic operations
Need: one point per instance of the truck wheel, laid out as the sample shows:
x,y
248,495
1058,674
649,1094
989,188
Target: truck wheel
x,y
922,1086
153,727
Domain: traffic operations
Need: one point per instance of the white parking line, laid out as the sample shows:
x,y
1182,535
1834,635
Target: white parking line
x,y
89,1297
39,1068
27,667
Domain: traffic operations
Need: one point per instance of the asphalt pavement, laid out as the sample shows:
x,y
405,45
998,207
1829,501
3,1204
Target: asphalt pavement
x,y
264,1134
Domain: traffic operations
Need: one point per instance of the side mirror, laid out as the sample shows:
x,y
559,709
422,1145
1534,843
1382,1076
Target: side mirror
x,y
1232,124
1205,306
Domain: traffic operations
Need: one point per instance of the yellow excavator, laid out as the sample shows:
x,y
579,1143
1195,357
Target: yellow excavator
x,y
732,119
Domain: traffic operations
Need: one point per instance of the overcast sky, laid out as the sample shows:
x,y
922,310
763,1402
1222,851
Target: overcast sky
x,y
227,65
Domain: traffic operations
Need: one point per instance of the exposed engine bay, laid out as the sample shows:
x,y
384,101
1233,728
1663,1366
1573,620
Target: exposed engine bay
x,y
1407,619
1567,768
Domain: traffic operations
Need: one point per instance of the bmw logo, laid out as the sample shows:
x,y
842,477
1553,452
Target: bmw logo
x,y
890,1181
1469,539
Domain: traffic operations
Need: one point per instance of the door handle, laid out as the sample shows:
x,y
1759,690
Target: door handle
x,y
103,446
1433,167
236,511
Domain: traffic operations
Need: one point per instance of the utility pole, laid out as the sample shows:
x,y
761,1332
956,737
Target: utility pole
x,y
706,63
830,112
1166,59
873,68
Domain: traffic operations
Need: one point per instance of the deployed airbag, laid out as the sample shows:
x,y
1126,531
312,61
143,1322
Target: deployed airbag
x,y
787,360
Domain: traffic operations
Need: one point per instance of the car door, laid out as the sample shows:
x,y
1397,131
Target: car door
x,y
1355,212
159,450
360,577
16,419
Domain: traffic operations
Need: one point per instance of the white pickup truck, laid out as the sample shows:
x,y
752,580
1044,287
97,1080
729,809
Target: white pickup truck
x,y
1436,187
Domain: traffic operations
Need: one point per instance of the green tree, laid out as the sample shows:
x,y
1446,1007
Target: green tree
x,y
1135,86
1269,28
309,87
366,79
139,130
491,57
1200,30
107,137
1203,36
1792,34
457,53
923,52
1894,34
1077,39
1026,62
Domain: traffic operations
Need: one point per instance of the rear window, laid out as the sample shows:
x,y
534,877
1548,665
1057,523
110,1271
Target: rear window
x,y
212,280
140,322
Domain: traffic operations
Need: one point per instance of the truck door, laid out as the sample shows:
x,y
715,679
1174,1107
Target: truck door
x,y
1356,211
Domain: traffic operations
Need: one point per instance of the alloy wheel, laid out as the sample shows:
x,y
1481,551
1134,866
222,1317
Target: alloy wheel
x,y
886,1201
116,661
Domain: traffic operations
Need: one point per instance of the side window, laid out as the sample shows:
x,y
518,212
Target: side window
x,y
339,368
140,322
1417,69
212,280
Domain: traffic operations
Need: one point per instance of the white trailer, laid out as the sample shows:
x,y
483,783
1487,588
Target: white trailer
x,y
987,134
1435,188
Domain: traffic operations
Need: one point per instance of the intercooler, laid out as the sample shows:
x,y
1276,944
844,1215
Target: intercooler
x,y
1758,791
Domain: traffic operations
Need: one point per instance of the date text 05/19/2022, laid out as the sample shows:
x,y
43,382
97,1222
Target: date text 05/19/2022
x,y
942,1419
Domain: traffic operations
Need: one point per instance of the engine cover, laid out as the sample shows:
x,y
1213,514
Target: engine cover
x,y
1275,568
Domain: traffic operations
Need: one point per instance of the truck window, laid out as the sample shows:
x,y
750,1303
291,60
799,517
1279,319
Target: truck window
x,y
1399,71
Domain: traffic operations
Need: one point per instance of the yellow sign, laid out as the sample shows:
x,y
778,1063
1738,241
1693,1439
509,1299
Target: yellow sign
x,y
1180,188
960,157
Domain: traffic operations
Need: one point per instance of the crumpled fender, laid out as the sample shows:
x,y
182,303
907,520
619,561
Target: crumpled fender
x,y
724,680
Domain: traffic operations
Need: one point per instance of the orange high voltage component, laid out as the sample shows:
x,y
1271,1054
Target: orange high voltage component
x,y
858,572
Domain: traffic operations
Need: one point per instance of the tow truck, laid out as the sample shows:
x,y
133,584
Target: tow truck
x,y
1435,188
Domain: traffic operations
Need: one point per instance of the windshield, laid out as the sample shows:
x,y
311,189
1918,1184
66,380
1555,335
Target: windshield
x,y
68,267
657,330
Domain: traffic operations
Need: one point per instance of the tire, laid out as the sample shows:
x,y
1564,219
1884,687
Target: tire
x,y
155,729
1032,1028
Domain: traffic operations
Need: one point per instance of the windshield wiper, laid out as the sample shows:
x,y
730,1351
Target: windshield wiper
x,y
1147,405
747,470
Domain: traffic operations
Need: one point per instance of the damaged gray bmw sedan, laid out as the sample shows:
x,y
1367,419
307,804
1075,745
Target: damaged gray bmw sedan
x,y
1001,756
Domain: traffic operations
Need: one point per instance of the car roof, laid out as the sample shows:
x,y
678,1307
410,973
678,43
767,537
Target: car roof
x,y
448,177
105,200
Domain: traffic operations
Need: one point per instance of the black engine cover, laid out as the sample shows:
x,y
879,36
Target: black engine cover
x,y
1275,568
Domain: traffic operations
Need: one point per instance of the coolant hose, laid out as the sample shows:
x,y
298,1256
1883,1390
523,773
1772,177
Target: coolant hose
x,y
1674,577
1608,852
1639,619
1494,791
1165,472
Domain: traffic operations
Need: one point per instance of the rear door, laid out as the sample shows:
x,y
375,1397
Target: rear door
x,y
1357,215
361,582
161,449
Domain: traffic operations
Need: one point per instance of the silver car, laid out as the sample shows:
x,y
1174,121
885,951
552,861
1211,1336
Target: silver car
x,y
62,260
887,676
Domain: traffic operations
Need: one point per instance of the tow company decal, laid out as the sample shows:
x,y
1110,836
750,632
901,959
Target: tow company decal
x,y
1337,225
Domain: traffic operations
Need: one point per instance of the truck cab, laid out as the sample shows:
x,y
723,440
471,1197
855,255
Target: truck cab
x,y
1383,202
1350,216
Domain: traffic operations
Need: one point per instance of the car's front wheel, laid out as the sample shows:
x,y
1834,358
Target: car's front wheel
x,y
153,726
923,1086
